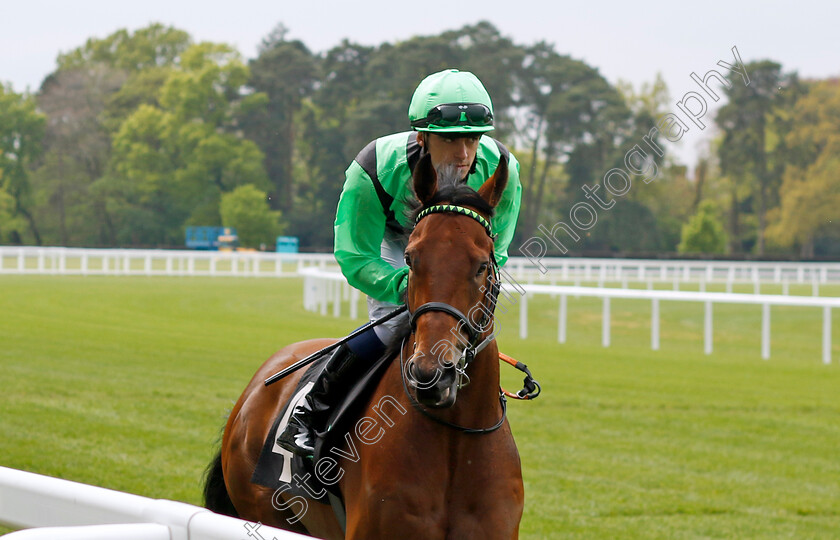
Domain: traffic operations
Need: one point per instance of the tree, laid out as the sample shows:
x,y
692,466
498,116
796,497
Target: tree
x,y
650,214
246,209
286,72
7,219
704,232
144,58
77,148
573,118
170,164
323,149
153,46
21,135
651,98
744,155
810,192
91,93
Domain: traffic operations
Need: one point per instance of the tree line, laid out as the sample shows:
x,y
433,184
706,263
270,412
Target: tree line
x,y
135,136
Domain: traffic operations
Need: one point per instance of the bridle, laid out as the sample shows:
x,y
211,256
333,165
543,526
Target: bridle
x,y
477,341
487,305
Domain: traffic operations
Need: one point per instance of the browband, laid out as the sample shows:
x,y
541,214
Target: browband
x,y
451,208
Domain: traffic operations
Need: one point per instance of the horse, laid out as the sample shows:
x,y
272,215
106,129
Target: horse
x,y
443,463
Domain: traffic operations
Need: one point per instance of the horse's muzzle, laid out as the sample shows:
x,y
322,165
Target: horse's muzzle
x,y
436,388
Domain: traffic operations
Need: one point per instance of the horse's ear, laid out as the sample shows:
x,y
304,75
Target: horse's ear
x,y
492,189
425,179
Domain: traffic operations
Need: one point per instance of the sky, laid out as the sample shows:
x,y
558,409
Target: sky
x,y
627,40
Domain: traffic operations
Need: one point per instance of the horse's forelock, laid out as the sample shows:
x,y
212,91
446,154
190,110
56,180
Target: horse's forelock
x,y
448,176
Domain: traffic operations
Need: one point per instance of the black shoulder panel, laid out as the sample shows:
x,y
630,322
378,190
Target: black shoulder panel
x,y
367,160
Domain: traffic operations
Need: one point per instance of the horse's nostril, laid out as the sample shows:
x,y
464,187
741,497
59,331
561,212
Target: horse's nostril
x,y
415,375
420,378
412,371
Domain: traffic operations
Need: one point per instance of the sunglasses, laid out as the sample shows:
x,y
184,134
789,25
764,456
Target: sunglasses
x,y
449,114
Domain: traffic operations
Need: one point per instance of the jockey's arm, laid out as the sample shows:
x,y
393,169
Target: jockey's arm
x,y
359,230
507,212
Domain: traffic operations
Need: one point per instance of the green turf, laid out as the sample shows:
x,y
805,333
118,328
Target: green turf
x,y
124,382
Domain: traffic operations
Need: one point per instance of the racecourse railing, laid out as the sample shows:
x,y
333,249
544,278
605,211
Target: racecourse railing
x,y
322,288
63,510
626,271
83,261
156,262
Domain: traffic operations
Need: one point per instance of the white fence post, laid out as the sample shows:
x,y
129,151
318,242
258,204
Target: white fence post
x,y
827,335
561,320
354,303
605,323
323,291
337,299
707,328
523,317
654,324
765,331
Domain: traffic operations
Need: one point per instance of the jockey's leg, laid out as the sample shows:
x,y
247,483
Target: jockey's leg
x,y
344,367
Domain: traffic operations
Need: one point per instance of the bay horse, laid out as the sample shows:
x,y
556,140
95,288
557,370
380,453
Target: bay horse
x,y
446,466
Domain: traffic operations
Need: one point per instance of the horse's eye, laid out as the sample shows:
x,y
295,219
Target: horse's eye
x,y
481,269
407,260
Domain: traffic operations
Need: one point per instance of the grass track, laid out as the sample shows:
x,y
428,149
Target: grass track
x,y
124,382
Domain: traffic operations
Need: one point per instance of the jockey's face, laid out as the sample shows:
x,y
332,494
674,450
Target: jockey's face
x,y
454,149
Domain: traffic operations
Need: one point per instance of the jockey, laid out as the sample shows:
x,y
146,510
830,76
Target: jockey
x,y
450,112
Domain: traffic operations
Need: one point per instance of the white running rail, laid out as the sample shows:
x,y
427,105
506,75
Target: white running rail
x,y
84,261
559,270
571,268
320,288
69,511
157,262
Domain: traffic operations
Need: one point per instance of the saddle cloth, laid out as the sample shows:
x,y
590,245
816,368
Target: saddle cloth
x,y
278,468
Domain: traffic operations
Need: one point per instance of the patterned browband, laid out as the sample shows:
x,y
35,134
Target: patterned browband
x,y
451,208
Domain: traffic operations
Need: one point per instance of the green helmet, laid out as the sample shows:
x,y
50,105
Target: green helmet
x,y
451,101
